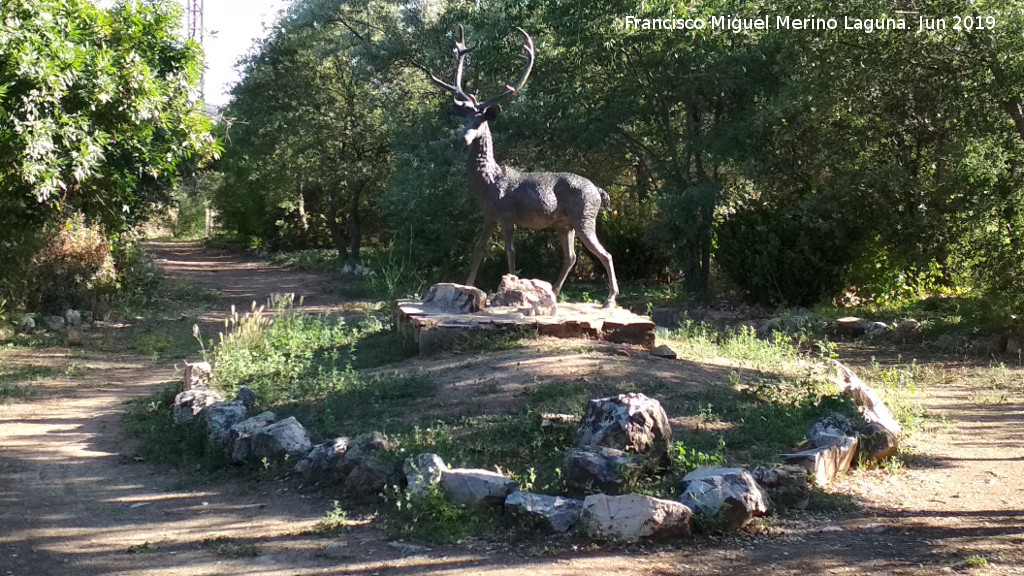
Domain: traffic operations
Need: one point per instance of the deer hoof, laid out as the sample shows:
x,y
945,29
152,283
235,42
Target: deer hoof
x,y
609,303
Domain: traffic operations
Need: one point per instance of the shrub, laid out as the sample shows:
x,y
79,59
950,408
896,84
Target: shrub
x,y
74,268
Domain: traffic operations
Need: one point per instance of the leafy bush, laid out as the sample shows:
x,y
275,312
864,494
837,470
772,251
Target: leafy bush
x,y
74,268
793,255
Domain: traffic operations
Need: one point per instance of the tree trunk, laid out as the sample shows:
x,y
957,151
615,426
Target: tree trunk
x,y
355,227
332,225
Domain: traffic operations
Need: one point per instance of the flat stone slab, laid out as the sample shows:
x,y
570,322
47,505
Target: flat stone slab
x,y
433,331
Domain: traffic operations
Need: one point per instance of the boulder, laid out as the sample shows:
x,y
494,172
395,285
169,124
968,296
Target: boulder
x,y
220,417
246,396
197,375
455,298
632,517
318,464
239,448
725,498
825,462
188,404
53,323
72,317
832,430
787,486
907,327
285,438
25,322
876,443
529,296
664,351
553,512
363,469
477,487
630,422
605,469
423,471
867,400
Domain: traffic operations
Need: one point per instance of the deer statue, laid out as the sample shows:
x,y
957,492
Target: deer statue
x,y
566,202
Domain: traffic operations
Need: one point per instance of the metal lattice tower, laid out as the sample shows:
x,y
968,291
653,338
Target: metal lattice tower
x,y
194,24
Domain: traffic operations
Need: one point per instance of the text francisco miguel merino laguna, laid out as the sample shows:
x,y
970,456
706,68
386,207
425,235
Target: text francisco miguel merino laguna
x,y
865,25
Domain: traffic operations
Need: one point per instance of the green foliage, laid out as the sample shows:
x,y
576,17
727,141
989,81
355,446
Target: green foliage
x,y
96,117
185,446
433,517
334,522
74,268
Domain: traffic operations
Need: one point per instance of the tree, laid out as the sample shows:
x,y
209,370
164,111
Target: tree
x,y
96,116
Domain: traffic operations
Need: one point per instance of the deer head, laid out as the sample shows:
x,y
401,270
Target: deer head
x,y
476,114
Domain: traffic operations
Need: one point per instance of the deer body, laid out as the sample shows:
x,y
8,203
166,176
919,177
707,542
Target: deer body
x,y
567,202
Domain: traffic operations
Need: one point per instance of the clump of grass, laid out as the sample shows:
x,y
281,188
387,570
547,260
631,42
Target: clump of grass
x,y
149,420
698,341
230,548
334,523
13,381
433,517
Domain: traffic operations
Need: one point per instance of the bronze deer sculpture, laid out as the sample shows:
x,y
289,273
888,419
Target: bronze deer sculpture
x,y
566,202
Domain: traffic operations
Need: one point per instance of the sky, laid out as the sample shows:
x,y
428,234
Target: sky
x,y
230,28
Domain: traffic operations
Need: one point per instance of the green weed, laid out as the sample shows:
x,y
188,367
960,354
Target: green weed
x,y
230,548
334,523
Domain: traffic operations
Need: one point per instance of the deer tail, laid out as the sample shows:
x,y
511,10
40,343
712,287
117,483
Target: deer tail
x,y
606,200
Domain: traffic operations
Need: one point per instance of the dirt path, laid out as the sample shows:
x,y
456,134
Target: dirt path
x,y
74,502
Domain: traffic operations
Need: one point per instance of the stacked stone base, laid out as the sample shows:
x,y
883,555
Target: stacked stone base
x,y
433,331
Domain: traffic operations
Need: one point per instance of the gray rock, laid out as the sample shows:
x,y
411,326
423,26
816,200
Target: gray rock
x,y
633,517
197,375
604,469
364,469
220,417
664,351
876,329
239,448
319,463
246,396
554,512
907,326
285,438
53,323
25,322
188,404
831,430
455,298
477,487
630,422
825,462
72,317
726,498
529,296
788,486
423,471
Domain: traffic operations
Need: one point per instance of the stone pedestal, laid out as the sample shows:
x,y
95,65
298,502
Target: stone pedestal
x,y
432,331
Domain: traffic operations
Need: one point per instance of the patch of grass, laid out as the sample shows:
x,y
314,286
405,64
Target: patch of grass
x,y
822,501
975,561
230,548
13,381
698,341
433,517
334,523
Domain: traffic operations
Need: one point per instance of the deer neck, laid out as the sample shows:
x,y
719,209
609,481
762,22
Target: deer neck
x,y
482,166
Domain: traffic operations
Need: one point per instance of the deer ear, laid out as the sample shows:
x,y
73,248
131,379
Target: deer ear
x,y
492,112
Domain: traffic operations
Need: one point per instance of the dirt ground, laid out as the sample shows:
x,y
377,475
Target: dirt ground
x,y
73,500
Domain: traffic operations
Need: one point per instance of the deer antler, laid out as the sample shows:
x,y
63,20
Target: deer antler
x,y
460,51
510,90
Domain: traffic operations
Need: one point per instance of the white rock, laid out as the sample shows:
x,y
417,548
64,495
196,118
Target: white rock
x,y
188,404
476,486
287,437
455,298
825,462
197,375
73,317
632,517
529,296
730,497
423,471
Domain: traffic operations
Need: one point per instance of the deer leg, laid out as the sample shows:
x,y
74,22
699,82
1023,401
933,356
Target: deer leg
x,y
478,252
568,238
588,235
507,230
